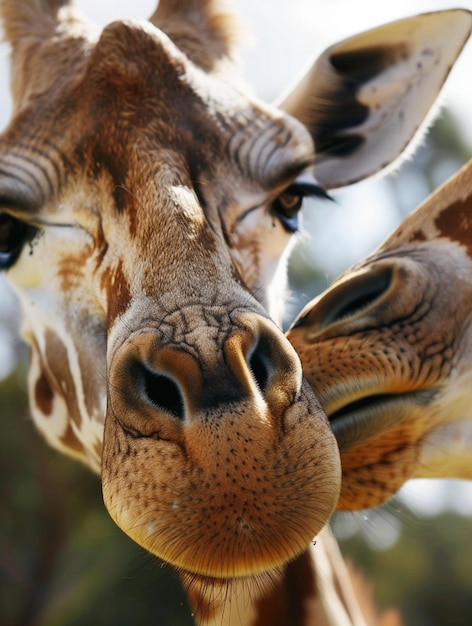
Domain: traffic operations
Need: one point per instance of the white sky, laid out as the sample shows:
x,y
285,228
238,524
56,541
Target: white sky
x,y
286,34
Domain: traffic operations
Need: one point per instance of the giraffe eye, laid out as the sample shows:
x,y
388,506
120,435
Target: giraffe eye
x,y
289,203
287,206
13,235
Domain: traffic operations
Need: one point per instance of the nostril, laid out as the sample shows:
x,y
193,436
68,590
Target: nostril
x,y
348,299
162,392
272,365
259,366
360,296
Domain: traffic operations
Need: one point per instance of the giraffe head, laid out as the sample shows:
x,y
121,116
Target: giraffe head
x,y
388,349
146,199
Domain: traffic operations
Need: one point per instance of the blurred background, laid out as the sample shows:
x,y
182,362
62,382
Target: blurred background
x,y
63,561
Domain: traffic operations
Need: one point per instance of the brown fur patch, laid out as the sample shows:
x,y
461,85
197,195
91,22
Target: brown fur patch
x,y
70,270
47,387
43,395
286,602
69,440
58,364
417,235
455,223
116,285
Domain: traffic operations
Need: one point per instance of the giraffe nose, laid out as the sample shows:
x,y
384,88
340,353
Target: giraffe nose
x,y
214,442
180,381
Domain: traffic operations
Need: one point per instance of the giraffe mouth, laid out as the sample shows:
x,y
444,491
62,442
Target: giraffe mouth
x,y
362,404
375,414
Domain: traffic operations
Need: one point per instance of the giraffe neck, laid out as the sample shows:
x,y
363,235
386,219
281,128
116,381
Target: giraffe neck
x,y
313,589
443,215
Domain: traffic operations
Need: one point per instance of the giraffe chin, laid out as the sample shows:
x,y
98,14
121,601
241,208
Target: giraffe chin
x,y
224,500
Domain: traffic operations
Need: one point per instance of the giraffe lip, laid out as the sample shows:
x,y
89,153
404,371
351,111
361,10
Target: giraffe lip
x,y
372,414
357,421
363,404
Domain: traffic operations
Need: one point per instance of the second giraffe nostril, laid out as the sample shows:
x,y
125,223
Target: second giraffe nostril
x,y
358,297
347,300
162,392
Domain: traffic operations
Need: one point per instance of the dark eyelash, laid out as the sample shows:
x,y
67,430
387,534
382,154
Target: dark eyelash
x,y
288,204
14,234
308,190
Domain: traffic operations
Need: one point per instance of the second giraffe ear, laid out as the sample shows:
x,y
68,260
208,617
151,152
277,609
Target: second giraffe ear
x,y
365,98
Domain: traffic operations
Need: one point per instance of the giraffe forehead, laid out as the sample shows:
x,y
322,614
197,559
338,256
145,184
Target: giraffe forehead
x,y
133,75
135,104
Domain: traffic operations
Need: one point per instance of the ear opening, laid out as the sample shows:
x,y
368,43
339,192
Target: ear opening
x,y
366,98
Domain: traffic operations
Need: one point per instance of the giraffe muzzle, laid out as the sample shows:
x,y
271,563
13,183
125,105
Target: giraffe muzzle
x,y
229,444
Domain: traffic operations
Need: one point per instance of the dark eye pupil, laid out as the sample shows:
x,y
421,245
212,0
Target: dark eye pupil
x,y
12,237
286,207
290,204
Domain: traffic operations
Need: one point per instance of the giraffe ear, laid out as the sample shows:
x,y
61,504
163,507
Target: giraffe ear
x,y
365,98
35,30
21,20
206,30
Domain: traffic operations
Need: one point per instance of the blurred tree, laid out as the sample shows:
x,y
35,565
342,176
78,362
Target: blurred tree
x,y
427,573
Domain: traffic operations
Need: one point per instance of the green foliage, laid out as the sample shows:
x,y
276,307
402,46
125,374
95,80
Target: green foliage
x,y
427,573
